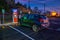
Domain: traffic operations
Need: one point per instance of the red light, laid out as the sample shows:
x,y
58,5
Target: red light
x,y
41,20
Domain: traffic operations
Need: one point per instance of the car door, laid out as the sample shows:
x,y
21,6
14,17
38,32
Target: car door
x,y
36,19
31,18
25,18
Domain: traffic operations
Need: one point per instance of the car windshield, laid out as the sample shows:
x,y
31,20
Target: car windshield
x,y
26,15
44,17
31,16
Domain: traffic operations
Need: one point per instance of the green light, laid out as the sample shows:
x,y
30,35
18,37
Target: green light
x,y
3,11
25,17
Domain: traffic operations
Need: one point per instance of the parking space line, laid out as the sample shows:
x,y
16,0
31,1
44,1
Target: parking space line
x,y
22,33
55,23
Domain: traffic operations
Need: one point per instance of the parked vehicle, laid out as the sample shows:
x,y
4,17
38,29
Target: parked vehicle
x,y
35,21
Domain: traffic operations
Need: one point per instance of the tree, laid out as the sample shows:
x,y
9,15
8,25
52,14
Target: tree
x,y
48,13
40,12
35,10
18,4
3,4
25,5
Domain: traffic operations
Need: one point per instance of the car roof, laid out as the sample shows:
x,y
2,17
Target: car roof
x,y
35,14
41,16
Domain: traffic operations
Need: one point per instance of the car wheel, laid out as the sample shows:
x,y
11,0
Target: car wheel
x,y
35,28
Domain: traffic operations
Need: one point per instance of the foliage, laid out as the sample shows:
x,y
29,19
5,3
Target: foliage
x,y
3,4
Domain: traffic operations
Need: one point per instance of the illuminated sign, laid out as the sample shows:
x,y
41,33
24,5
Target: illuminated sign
x,y
3,11
15,15
14,10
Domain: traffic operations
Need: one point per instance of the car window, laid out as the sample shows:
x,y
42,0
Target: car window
x,y
37,16
31,16
25,16
44,17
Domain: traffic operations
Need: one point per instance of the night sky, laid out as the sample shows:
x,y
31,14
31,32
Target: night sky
x,y
49,4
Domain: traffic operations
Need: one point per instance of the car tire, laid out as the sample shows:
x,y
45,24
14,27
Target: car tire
x,y
35,28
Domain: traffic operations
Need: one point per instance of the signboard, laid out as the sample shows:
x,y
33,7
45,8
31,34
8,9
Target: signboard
x,y
14,10
3,11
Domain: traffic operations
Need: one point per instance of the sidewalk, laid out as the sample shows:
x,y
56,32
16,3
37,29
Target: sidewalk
x,y
7,24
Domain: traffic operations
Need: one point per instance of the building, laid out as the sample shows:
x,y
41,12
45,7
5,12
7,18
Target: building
x,y
22,8
12,4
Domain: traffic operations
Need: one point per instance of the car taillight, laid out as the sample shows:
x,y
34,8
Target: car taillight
x,y
41,20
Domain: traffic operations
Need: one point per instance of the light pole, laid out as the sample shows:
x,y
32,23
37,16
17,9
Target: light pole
x,y
43,2
28,3
44,7
3,12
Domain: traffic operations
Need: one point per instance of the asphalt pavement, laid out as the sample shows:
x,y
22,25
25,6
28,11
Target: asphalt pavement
x,y
55,23
19,32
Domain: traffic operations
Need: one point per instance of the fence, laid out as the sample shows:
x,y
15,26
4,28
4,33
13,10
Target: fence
x,y
7,18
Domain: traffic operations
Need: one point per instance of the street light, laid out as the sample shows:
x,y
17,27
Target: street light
x,y
3,12
53,13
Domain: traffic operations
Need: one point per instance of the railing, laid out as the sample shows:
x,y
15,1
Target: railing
x,y
7,18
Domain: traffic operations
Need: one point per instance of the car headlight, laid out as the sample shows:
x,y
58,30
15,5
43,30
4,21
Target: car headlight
x,y
45,21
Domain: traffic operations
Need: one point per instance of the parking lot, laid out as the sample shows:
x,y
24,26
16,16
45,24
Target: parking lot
x,y
25,33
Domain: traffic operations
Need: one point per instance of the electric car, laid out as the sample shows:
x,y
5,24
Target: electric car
x,y
34,21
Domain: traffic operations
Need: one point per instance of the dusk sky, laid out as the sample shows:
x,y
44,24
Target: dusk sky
x,y
49,4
